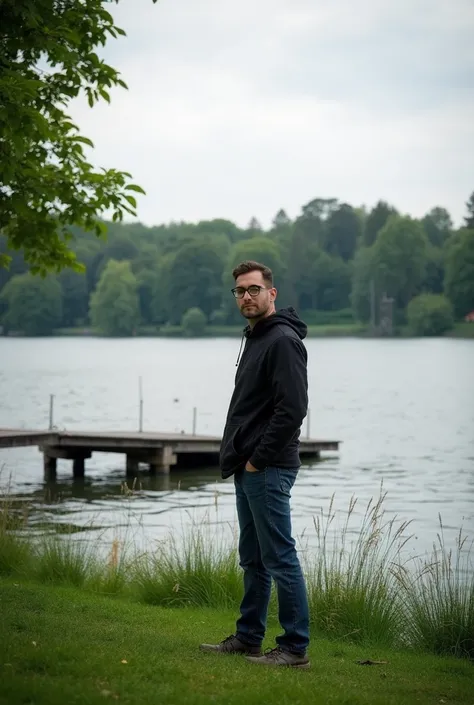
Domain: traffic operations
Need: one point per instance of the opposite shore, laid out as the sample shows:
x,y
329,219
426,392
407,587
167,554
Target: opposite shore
x,y
336,330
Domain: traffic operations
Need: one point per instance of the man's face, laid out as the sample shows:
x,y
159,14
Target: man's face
x,y
258,303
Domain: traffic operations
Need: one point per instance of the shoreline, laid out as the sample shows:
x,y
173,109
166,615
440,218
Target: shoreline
x,y
351,330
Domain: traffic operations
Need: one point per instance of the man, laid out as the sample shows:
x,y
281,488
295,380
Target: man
x,y
260,447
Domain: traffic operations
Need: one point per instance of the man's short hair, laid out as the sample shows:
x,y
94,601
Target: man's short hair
x,y
251,266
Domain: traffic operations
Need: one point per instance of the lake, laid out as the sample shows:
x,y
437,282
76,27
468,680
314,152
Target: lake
x,y
403,409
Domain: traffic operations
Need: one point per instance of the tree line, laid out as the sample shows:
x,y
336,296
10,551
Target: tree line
x,y
331,262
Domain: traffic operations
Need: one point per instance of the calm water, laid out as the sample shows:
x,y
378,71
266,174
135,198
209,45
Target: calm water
x,y
404,410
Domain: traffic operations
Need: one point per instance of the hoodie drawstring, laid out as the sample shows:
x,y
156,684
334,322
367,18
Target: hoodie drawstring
x,y
240,350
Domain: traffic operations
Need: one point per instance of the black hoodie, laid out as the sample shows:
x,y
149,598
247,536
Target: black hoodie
x,y
270,398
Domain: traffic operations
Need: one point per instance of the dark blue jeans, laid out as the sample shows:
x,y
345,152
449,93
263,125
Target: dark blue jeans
x,y
267,550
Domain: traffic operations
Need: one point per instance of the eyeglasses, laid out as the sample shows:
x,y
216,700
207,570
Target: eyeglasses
x,y
254,290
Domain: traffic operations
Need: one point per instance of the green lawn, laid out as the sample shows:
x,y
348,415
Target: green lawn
x,y
60,645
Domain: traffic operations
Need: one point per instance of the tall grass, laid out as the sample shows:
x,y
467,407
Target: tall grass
x,y
15,553
352,588
197,568
62,561
359,586
439,599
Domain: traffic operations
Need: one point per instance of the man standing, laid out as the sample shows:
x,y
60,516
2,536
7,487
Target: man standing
x,y
260,447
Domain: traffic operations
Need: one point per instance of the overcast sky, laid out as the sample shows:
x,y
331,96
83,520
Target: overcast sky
x,y
237,109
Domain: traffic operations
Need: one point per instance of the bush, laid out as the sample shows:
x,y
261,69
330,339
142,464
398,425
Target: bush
x,y
193,322
430,314
218,318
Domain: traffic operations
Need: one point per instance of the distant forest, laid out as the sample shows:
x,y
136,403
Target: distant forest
x,y
335,263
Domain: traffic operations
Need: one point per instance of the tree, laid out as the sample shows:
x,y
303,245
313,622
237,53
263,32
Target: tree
x,y
362,276
281,232
218,226
17,263
254,225
75,298
281,220
469,219
437,225
332,282
33,304
195,280
430,314
342,232
433,281
118,247
320,208
376,220
146,279
161,285
307,237
399,259
47,58
194,322
114,305
459,281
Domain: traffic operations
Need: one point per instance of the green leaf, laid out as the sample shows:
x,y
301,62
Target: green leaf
x,y
131,200
104,94
84,140
135,187
5,261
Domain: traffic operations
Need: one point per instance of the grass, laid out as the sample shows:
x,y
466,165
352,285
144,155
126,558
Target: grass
x,y
360,588
200,570
61,644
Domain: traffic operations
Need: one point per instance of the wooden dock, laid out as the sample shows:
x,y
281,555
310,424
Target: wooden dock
x,y
160,451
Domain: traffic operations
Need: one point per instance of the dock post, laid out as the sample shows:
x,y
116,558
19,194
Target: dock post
x,y
162,462
140,395
78,467
132,466
49,466
51,412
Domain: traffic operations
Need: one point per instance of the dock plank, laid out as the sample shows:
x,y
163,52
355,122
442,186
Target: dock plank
x,y
159,450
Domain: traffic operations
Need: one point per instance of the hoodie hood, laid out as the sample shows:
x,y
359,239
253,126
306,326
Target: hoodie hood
x,y
286,316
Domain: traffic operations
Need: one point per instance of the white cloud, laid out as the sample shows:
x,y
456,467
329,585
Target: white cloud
x,y
238,109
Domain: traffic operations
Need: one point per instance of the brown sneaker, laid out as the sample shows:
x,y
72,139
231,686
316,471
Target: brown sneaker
x,y
278,657
232,645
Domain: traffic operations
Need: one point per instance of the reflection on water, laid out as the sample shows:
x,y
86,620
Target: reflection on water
x,y
404,411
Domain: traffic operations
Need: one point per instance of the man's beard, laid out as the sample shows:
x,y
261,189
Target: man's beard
x,y
253,312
